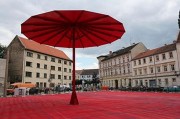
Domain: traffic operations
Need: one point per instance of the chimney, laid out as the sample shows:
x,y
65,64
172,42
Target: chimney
x,y
110,52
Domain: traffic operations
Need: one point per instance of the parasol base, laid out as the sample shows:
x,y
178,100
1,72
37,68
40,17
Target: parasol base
x,y
74,100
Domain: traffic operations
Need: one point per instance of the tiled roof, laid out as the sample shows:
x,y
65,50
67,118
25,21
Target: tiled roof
x,y
145,54
89,71
162,49
79,71
41,48
119,52
178,38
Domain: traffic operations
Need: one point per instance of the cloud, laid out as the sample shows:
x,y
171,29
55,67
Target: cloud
x,y
153,23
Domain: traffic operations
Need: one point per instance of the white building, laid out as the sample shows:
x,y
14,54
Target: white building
x,y
2,71
89,74
115,68
157,67
31,62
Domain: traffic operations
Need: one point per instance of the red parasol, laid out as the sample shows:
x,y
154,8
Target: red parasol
x,y
72,29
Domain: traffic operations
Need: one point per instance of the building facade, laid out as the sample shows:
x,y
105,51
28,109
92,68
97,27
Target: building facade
x,y
115,69
31,62
89,74
2,71
157,68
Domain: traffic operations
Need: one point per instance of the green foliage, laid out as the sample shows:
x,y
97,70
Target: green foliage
x,y
2,49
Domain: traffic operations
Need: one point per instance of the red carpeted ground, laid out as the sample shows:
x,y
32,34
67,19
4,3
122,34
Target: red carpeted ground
x,y
93,105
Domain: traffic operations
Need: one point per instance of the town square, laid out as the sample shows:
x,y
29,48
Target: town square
x,y
90,59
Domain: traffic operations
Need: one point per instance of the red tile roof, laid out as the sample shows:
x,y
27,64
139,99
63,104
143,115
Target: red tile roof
x,y
145,54
159,50
41,48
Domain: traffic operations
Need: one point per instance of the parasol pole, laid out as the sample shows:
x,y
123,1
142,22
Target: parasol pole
x,y
74,100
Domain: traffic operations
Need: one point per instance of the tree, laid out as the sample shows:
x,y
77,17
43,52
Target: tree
x,y
2,49
95,80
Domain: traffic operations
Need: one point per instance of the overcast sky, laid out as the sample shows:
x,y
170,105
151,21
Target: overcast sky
x,y
152,22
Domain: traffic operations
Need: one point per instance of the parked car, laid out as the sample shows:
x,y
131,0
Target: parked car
x,y
172,89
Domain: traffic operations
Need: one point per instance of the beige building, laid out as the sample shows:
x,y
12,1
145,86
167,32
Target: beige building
x,y
78,74
115,69
31,62
2,71
158,67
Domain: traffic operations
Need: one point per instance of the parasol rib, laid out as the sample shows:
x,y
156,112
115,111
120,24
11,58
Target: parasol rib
x,y
44,33
52,36
62,16
80,38
101,32
48,19
42,29
61,38
94,19
97,36
88,37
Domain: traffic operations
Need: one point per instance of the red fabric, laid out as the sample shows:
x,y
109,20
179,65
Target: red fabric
x,y
72,29
93,105
56,28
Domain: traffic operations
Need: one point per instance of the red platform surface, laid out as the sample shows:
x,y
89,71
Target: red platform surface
x,y
93,105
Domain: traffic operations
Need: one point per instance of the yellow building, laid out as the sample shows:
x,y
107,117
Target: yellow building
x,y
31,62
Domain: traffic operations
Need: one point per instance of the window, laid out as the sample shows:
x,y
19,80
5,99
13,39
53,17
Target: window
x,y
52,67
69,77
52,76
145,71
135,63
59,68
65,69
59,61
37,75
29,54
157,57
45,57
28,74
69,70
140,71
59,76
52,59
165,68
159,81
151,70
166,81
170,55
45,66
65,77
38,65
172,67
135,72
69,63
158,69
173,79
163,56
139,62
150,59
123,60
123,70
45,75
65,62
144,61
28,64
38,56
